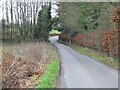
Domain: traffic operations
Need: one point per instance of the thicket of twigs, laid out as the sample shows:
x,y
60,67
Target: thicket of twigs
x,y
19,66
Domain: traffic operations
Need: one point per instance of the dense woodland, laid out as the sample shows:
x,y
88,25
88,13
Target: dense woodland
x,y
93,25
86,17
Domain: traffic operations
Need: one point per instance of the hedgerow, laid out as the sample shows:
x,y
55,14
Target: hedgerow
x,y
105,41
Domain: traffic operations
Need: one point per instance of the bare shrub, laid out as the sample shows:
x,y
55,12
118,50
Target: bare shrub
x,y
19,65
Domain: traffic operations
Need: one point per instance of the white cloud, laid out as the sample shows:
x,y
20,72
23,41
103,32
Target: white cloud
x,y
1,13
53,10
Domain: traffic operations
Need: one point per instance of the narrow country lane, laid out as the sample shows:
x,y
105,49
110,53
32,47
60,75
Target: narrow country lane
x,y
80,71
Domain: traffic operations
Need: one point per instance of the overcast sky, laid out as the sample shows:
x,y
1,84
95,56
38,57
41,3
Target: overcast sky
x,y
53,10
1,9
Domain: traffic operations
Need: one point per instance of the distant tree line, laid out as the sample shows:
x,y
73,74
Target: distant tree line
x,y
24,21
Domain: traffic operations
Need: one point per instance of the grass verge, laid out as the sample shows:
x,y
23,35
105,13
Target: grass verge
x,y
33,59
50,77
95,55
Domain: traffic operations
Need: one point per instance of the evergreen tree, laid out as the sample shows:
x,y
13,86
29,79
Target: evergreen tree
x,y
43,23
39,26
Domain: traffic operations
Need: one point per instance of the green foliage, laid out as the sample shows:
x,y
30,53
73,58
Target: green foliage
x,y
54,32
55,24
50,76
85,17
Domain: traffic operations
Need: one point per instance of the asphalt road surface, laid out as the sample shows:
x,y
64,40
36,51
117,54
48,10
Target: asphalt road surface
x,y
80,71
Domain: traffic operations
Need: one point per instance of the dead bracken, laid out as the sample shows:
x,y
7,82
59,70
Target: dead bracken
x,y
18,67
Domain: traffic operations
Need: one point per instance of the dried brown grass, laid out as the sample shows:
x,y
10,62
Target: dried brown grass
x,y
23,61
